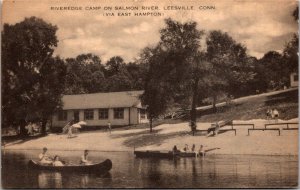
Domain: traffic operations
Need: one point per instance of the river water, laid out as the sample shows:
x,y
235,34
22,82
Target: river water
x,y
213,171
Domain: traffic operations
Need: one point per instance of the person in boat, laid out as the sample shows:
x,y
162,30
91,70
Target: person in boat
x,y
84,158
201,151
57,161
44,158
175,149
186,148
193,148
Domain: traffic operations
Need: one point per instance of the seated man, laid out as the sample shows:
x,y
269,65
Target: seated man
x,y
186,148
214,128
57,162
175,150
201,151
44,158
84,158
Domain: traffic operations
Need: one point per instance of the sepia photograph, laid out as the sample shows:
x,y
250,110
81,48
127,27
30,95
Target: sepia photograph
x,y
149,94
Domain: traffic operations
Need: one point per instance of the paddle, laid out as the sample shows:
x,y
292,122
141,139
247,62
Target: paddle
x,y
211,149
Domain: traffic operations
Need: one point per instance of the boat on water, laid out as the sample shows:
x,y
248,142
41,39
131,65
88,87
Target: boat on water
x,y
169,154
163,154
102,167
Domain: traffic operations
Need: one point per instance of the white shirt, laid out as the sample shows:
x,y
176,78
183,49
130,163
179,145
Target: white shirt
x,y
57,163
43,156
275,112
84,159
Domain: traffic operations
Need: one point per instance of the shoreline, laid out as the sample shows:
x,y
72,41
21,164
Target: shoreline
x,y
165,136
218,154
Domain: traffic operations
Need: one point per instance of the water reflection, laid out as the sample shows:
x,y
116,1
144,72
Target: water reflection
x,y
50,180
213,171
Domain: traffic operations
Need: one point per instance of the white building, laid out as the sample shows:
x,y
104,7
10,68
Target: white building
x,y
118,108
294,79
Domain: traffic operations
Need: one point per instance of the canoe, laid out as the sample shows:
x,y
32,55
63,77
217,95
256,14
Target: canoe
x,y
161,154
102,167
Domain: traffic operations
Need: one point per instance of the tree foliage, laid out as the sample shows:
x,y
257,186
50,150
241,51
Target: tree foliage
x,y
231,67
275,71
170,65
85,75
31,78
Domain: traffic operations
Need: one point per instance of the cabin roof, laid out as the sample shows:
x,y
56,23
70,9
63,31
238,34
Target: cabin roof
x,y
102,100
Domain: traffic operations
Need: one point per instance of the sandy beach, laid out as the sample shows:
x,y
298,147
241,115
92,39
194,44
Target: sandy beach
x,y
165,136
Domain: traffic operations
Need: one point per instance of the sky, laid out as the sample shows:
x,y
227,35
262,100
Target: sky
x,y
260,25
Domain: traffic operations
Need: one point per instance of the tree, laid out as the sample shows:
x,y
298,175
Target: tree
x,y
231,67
85,75
46,98
118,77
171,67
114,65
137,73
290,52
157,91
27,49
121,81
275,70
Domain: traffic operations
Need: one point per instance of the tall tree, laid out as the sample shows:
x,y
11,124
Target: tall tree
x,y
137,73
275,70
156,96
27,49
171,64
291,50
290,54
47,94
114,65
118,77
85,75
231,67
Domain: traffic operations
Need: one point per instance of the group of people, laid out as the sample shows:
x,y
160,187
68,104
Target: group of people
x,y
45,159
272,114
201,151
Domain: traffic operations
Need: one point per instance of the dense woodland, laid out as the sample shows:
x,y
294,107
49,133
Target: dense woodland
x,y
175,72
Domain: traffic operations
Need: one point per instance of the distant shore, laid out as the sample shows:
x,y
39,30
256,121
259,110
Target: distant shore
x,y
165,136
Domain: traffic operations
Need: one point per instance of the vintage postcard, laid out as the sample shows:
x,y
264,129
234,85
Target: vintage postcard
x,y
149,94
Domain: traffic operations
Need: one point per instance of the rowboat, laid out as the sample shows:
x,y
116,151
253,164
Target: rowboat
x,y
153,154
163,154
102,167
169,154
